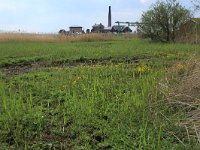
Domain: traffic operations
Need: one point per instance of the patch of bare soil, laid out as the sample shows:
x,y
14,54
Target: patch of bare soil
x,y
26,67
16,69
22,68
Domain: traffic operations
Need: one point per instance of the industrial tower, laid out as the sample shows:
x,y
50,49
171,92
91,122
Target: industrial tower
x,y
109,17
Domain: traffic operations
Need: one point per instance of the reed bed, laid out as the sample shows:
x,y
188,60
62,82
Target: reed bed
x,y
55,37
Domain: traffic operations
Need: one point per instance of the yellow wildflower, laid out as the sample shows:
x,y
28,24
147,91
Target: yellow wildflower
x,y
180,66
142,69
77,79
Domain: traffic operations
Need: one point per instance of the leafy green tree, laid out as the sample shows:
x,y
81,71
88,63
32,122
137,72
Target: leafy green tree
x,y
163,20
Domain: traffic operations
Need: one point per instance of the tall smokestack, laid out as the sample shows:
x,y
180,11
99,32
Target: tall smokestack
x,y
109,17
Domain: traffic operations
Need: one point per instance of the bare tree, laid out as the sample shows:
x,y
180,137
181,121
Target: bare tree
x,y
196,4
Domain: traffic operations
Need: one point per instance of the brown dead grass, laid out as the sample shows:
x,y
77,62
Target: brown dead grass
x,y
189,38
55,38
184,94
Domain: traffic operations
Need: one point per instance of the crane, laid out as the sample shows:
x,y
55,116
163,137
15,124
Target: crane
x,y
128,23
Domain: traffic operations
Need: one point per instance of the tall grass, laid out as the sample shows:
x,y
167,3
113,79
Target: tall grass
x,y
26,37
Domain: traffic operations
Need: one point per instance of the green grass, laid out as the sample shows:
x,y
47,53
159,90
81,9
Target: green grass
x,y
19,52
91,106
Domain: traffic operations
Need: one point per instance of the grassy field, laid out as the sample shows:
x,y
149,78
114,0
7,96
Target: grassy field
x,y
92,95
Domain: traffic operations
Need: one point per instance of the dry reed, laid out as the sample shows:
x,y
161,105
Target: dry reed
x,y
184,94
55,38
189,38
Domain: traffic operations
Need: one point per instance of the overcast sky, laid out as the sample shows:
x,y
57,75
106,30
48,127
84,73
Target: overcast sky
x,y
51,15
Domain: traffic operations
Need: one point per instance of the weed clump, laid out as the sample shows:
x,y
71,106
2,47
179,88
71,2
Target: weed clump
x,y
183,88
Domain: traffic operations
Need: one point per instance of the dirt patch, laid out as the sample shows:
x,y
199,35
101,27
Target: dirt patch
x,y
26,67
16,69
22,68
100,61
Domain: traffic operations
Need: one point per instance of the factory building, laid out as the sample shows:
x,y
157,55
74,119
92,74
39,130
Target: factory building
x,y
76,29
107,29
100,28
121,29
97,28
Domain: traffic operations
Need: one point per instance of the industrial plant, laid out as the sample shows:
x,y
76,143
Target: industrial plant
x,y
99,28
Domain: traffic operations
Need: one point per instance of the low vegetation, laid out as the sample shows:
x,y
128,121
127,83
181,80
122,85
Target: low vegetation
x,y
118,94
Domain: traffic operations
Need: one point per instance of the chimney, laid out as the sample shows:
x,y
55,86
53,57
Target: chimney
x,y
109,17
